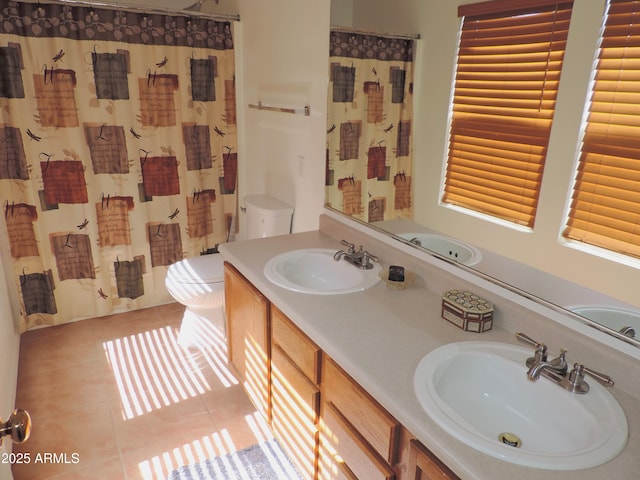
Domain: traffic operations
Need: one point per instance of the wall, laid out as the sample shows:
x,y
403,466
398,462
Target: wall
x,y
283,60
438,25
9,347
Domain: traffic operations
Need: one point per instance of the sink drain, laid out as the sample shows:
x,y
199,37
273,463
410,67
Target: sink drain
x,y
510,439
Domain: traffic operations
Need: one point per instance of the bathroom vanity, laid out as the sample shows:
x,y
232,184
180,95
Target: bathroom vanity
x,y
330,426
333,374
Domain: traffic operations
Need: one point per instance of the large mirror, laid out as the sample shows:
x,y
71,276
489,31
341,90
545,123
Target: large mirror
x,y
597,286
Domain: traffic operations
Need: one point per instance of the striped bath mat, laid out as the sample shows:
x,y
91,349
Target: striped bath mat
x,y
263,461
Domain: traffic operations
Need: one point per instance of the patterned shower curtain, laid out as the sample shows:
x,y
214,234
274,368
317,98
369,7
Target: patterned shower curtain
x,y
369,147
117,153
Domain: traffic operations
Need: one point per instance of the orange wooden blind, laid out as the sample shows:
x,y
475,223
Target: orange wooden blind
x,y
605,207
508,71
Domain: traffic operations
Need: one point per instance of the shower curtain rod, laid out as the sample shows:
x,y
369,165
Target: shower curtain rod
x,y
406,36
141,9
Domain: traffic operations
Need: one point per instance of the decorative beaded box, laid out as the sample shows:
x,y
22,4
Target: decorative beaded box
x,y
467,311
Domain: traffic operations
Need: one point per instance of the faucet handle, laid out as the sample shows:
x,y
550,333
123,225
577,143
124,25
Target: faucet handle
x,y
541,349
576,378
560,363
523,337
351,247
368,256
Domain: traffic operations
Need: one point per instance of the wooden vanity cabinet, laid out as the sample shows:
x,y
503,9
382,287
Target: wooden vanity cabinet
x,y
295,392
330,427
247,321
424,465
358,438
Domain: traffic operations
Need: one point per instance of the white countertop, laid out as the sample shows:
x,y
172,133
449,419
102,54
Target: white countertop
x,y
378,336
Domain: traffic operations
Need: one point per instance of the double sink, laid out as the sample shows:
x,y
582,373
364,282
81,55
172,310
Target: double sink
x,y
479,392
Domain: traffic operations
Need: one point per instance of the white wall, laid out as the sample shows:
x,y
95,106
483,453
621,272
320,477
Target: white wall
x,y
9,348
437,23
283,60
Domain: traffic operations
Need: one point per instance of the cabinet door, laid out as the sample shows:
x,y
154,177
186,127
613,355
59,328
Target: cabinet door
x,y
295,395
344,453
367,417
423,465
247,312
295,402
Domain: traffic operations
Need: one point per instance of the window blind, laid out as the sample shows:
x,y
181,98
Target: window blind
x,y
605,207
508,70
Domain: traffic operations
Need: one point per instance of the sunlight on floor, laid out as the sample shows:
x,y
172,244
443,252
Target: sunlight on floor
x,y
206,336
157,368
159,466
215,445
153,371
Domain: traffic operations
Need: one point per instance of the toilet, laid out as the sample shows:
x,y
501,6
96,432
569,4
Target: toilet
x,y
198,282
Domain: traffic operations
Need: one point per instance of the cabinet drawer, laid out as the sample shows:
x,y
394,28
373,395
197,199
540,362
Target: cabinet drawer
x,y
371,420
340,442
299,348
288,384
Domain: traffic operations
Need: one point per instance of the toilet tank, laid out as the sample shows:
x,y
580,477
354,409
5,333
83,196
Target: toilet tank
x,y
267,216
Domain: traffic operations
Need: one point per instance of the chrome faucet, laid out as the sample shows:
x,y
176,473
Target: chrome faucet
x,y
539,362
416,241
628,331
360,258
556,370
557,365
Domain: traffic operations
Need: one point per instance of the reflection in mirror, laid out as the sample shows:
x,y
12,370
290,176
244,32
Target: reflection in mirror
x,y
447,247
369,128
532,262
597,309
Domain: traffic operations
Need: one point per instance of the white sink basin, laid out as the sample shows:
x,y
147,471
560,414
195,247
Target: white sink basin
x,y
618,319
445,247
478,391
313,270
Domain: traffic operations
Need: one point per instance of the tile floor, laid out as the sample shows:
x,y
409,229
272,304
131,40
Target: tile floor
x,y
117,398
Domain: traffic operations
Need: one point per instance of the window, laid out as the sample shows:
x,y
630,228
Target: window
x,y
509,61
605,206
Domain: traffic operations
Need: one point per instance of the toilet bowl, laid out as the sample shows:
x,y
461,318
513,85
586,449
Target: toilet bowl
x,y
198,282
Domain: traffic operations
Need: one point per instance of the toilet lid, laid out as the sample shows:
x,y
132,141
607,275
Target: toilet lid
x,y
201,269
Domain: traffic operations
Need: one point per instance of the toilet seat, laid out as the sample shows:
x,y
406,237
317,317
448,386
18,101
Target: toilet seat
x,y
198,270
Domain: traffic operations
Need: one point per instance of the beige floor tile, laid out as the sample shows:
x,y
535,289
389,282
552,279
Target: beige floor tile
x,y
230,403
67,345
118,392
57,392
109,469
84,432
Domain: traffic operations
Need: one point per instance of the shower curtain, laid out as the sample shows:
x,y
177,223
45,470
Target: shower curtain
x,y
118,153
369,130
